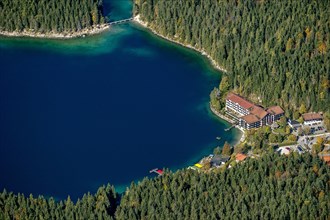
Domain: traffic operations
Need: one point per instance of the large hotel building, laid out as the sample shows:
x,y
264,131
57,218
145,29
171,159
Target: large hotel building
x,y
250,115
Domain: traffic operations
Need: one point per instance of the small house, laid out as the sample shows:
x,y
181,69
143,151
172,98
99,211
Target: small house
x,y
294,124
326,158
219,160
240,157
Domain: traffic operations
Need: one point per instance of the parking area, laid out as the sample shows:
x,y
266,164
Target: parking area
x,y
317,128
307,142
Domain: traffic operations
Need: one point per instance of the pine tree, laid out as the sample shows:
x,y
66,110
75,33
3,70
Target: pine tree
x,y
226,150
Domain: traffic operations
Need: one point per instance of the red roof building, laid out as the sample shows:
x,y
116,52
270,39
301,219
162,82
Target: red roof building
x,y
311,118
275,113
250,115
259,112
326,159
239,100
250,118
240,157
275,110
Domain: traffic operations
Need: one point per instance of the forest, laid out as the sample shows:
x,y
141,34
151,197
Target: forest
x,y
275,52
269,187
43,16
102,205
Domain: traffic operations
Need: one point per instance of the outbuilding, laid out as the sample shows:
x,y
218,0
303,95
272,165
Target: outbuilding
x,y
219,160
294,124
240,157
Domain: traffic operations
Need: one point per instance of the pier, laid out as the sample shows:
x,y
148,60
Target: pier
x,y
228,129
232,126
157,171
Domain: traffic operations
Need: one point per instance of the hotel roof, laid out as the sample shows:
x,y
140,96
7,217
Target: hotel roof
x,y
312,116
250,118
239,100
259,112
275,110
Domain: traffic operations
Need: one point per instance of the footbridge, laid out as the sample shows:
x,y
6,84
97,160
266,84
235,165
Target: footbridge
x,y
120,21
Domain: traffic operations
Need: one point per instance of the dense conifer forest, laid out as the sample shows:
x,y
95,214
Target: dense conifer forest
x,y
275,50
102,205
269,187
44,16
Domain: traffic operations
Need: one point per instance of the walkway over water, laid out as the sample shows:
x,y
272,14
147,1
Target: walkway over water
x,y
120,21
232,126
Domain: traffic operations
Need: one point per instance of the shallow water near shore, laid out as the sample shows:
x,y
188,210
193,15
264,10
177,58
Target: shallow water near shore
x,y
79,113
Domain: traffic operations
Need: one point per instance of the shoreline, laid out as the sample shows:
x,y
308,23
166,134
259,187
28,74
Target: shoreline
x,y
202,52
97,29
221,116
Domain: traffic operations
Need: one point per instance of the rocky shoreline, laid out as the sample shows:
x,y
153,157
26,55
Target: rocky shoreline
x,y
214,63
51,35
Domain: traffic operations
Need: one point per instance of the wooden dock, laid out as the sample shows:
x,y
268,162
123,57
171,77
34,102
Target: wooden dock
x,y
232,126
157,171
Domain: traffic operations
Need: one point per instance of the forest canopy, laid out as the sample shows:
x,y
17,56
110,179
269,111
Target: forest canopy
x,y
269,187
275,50
102,205
44,16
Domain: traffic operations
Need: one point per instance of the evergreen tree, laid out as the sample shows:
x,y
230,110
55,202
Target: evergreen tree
x,y
43,16
275,50
270,187
226,150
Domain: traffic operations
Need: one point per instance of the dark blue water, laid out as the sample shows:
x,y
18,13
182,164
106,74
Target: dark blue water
x,y
80,113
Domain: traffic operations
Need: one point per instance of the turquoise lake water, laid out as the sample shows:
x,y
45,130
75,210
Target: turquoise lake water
x,y
76,114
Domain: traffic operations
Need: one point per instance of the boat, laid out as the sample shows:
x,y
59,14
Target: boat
x,y
218,138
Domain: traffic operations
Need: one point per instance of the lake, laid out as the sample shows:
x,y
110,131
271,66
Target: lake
x,y
79,113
